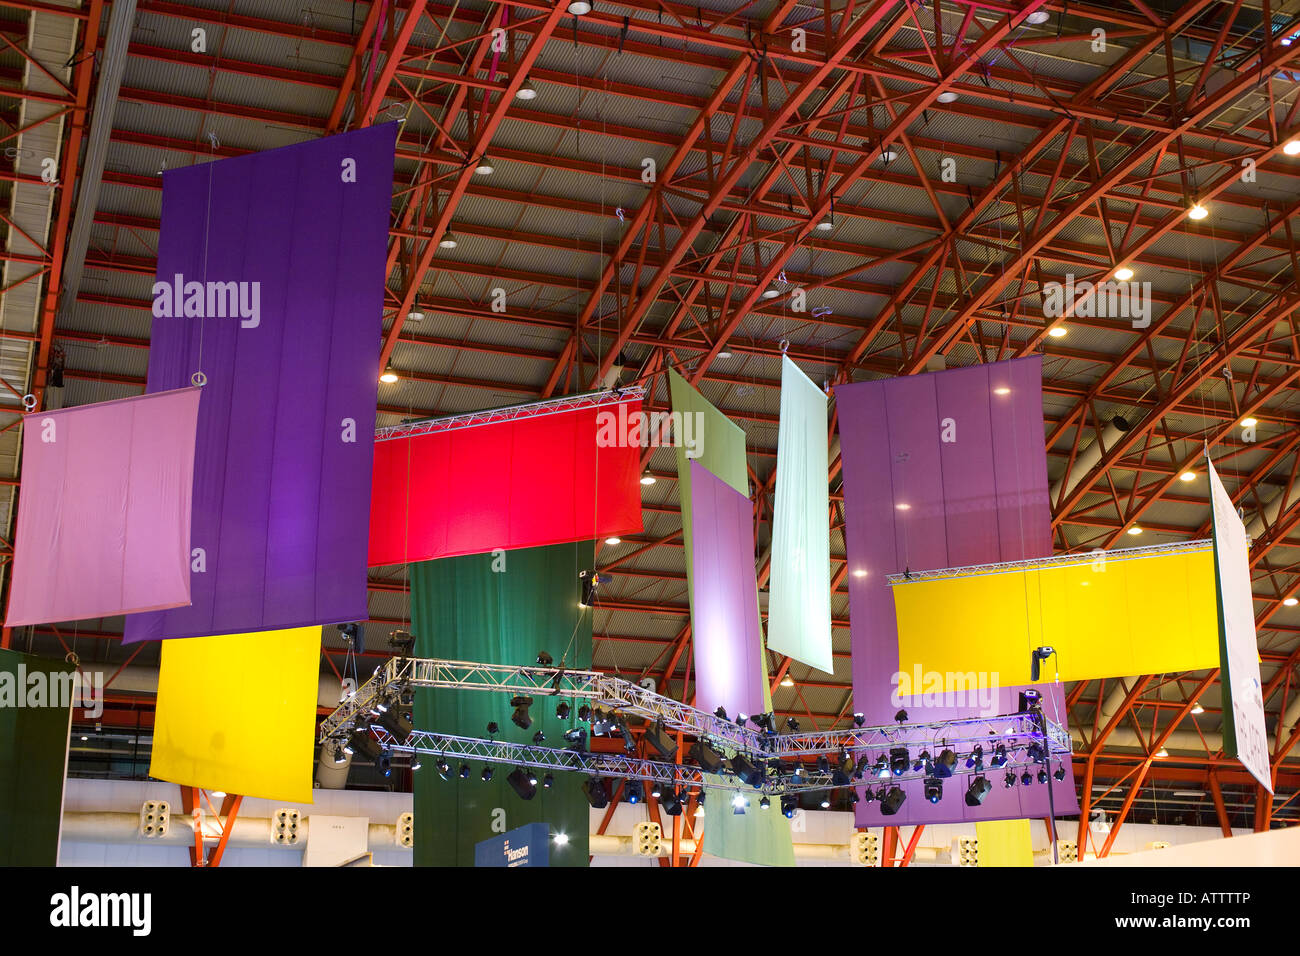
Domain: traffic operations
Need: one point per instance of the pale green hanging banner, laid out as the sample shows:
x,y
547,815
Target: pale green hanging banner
x,y
799,610
756,836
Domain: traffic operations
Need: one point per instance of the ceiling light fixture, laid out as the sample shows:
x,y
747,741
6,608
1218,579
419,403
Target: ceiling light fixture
x,y
947,96
826,224
526,91
1292,147
1291,602
771,292
613,540
1037,17
484,167
1197,211
1135,530
1249,422
579,8
388,376
1058,331
1123,273
1187,476
647,479
448,240
787,681
1197,708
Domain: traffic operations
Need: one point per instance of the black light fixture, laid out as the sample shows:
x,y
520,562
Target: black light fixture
x,y
656,789
933,789
464,771
720,713
710,760
881,768
584,713
670,801
977,790
944,763
562,710
493,728
521,718
792,724
764,803
1060,772
853,797
842,775
577,739
765,722
361,742
444,768
922,762
826,801
416,764
539,737
396,724
662,742
487,774
898,760
634,791
544,659
789,804
976,759
1036,659
746,771
597,792
522,783
901,717
386,764
548,781
1042,775
403,642
1000,755
892,801
860,770
353,637
1030,701
823,764
859,720
868,795
1009,781
1026,778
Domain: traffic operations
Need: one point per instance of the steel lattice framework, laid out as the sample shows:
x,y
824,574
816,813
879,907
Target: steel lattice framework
x,y
962,154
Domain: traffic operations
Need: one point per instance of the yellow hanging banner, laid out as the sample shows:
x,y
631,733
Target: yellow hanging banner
x,y
1004,843
1106,614
238,713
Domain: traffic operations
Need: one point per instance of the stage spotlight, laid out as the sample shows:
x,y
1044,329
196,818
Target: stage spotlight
x,y
789,804
544,659
635,792
416,764
1042,775
624,731
826,801
738,804
1060,772
708,758
859,720
720,713
1009,781
842,775
792,725
521,718
1026,778
764,803
933,789
464,771
402,641
892,801
823,764
493,728
898,761
562,710
746,771
364,744
1030,700
860,770
977,790
386,764
487,774
901,716
656,789
353,637
796,775
597,792
397,725
922,762
444,768
944,763
868,795
584,712
522,783
853,797
539,737
1000,755
699,804
548,781
976,759
661,741
1036,753
577,739
670,802
881,768
765,722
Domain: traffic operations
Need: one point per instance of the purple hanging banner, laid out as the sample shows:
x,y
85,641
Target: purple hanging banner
x,y
271,271
942,470
724,615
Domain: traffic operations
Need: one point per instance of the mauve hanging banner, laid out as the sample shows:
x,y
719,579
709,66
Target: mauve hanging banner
x,y
942,470
271,271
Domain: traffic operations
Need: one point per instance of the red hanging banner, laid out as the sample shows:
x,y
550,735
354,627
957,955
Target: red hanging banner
x,y
543,479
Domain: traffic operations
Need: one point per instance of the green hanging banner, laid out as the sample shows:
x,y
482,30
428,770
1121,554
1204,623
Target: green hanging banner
x,y
499,608
755,836
35,721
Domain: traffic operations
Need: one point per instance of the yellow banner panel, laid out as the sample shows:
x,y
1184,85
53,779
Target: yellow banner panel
x,y
1106,615
1004,843
238,713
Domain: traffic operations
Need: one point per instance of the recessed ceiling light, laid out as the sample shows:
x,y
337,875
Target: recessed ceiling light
x,y
947,96
1037,17
448,240
1197,211
1187,476
1249,422
1135,530
1123,273
526,91
1057,331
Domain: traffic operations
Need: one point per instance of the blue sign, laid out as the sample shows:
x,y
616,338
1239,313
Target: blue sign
x,y
528,845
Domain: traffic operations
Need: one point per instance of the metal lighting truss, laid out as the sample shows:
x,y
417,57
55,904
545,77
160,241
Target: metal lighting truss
x,y
567,403
1056,560
399,675
625,766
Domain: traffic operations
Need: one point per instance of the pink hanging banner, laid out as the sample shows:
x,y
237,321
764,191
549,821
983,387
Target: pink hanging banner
x,y
104,513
